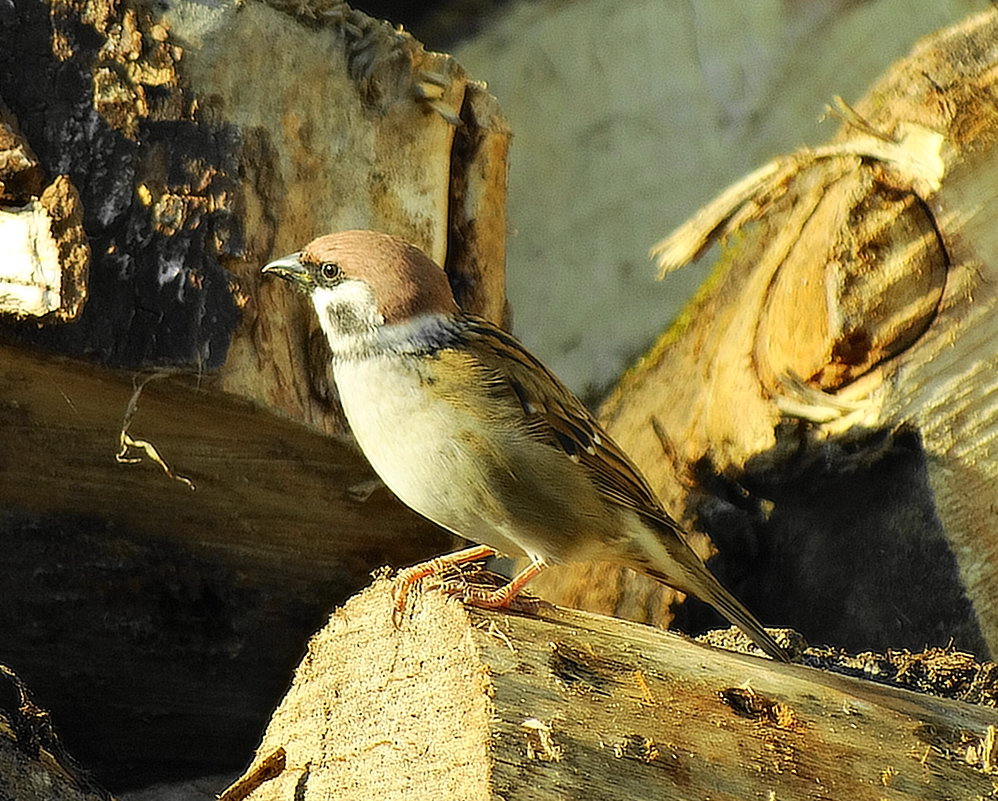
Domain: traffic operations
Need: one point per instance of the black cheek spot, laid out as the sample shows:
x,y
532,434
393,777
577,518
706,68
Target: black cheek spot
x,y
343,317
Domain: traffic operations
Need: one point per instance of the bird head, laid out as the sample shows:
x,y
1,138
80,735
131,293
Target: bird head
x,y
363,282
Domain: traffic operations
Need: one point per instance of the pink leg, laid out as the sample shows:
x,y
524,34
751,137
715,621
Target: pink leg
x,y
410,575
500,598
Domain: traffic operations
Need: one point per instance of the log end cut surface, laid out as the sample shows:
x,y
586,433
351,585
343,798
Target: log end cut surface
x,y
382,709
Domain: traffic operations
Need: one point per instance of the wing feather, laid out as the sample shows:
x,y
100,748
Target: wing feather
x,y
558,419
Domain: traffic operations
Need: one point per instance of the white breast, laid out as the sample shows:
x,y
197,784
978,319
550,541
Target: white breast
x,y
462,457
424,449
390,417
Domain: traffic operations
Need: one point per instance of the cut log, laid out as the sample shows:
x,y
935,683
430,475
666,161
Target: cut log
x,y
833,426
178,612
34,765
448,704
188,145
166,620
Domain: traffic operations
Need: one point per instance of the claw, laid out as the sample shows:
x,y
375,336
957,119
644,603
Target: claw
x,y
410,575
500,598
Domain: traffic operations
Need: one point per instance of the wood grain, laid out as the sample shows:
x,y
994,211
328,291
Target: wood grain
x,y
572,705
825,408
159,624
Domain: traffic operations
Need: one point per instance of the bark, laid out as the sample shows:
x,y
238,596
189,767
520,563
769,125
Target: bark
x,y
630,116
167,552
34,763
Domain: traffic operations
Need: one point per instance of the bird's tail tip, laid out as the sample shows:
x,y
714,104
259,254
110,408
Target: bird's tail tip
x,y
709,589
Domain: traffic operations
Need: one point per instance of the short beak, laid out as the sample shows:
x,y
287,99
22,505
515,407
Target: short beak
x,y
290,269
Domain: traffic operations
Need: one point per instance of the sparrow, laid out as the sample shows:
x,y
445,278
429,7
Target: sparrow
x,y
470,430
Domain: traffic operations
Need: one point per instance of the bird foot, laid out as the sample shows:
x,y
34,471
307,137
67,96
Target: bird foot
x,y
409,576
506,596
503,596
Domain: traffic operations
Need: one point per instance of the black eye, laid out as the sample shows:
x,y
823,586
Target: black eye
x,y
329,270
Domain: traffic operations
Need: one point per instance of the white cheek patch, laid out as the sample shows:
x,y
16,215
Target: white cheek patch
x,y
346,310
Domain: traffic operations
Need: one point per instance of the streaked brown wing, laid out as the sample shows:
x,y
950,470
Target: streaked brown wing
x,y
559,419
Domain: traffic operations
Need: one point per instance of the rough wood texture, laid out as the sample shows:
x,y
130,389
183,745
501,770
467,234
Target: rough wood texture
x,y
46,254
197,153
191,176
833,428
363,129
177,613
630,116
34,765
584,707
160,624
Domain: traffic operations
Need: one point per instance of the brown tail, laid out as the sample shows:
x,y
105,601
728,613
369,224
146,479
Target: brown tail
x,y
708,588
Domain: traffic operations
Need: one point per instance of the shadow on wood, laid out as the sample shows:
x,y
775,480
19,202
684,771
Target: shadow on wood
x,y
160,624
